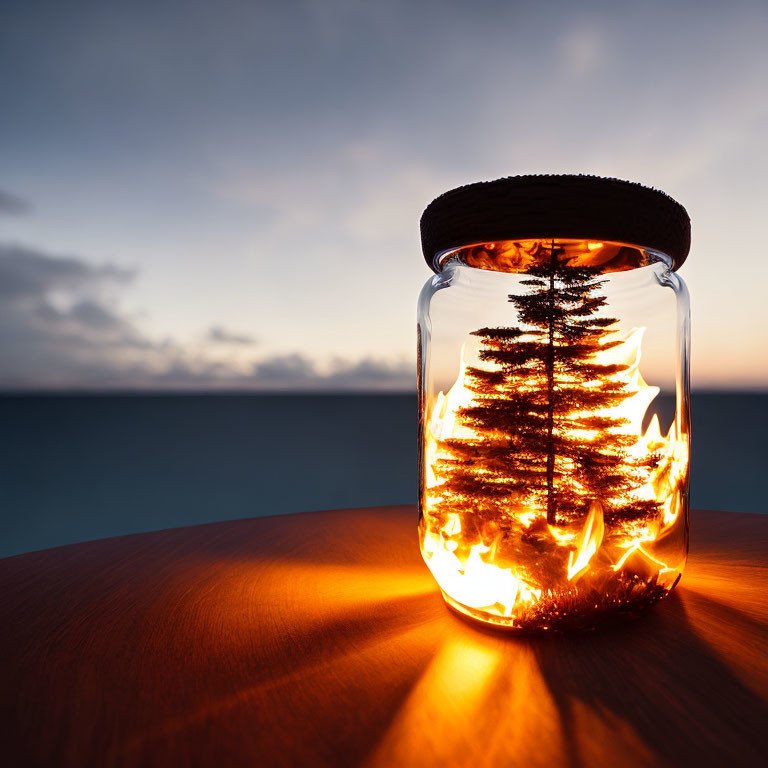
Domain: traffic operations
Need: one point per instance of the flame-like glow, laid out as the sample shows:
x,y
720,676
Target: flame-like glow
x,y
475,579
637,546
590,539
475,583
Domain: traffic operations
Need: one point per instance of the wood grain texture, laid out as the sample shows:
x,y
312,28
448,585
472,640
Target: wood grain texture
x,y
321,639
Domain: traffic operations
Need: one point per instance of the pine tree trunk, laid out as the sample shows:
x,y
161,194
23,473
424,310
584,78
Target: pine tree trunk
x,y
551,508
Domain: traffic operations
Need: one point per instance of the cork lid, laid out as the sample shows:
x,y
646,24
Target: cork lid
x,y
557,206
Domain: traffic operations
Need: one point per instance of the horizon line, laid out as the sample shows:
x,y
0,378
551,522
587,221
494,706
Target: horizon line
x,y
297,392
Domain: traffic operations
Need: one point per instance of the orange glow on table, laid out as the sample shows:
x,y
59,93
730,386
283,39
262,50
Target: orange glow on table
x,y
321,639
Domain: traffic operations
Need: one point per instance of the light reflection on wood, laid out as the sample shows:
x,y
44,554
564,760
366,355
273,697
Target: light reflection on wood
x,y
321,639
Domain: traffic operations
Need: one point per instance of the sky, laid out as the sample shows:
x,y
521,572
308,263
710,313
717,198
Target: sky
x,y
203,195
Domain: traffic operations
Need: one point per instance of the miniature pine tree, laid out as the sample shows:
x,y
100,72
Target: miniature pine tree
x,y
544,434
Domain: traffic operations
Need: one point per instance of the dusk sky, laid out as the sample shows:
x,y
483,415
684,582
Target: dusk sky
x,y
227,194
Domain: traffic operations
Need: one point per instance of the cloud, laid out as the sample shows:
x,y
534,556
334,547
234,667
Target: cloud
x,y
62,327
371,372
221,335
11,204
27,273
285,369
295,371
91,314
58,321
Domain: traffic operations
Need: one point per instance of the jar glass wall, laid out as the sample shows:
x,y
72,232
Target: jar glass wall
x,y
554,429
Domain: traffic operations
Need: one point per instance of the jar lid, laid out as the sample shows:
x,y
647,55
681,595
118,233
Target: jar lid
x,y
563,206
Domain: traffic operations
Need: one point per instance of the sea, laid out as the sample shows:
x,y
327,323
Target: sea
x,y
80,467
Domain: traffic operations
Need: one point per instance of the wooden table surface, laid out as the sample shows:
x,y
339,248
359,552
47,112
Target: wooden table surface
x,y
321,639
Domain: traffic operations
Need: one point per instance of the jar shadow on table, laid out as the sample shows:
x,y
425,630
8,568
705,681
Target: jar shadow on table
x,y
651,683
657,674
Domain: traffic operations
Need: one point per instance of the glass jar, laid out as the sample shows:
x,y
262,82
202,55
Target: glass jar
x,y
553,399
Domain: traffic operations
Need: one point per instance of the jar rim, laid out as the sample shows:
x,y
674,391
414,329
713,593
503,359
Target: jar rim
x,y
520,255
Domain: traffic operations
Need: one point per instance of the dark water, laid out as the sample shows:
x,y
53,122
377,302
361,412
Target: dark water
x,y
76,468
